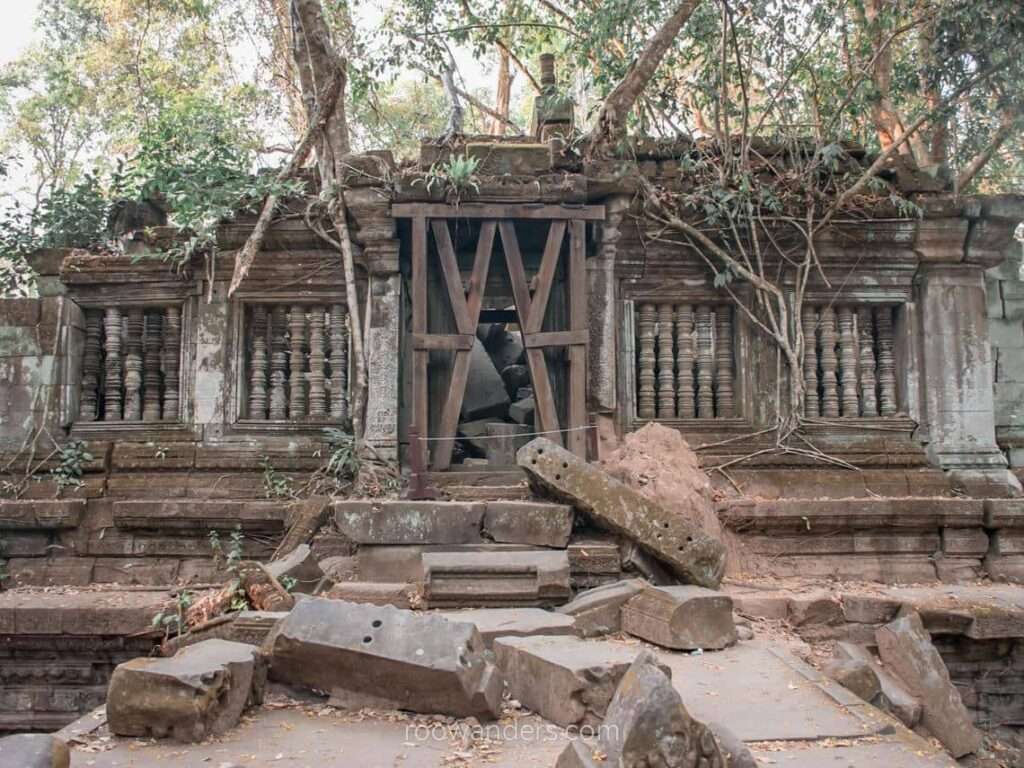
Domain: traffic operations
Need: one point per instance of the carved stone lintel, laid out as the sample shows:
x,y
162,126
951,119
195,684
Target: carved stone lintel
x,y
685,403
88,402
866,340
339,362
152,344
317,391
171,354
278,363
258,364
705,364
297,362
848,363
666,364
886,363
829,363
812,405
112,402
645,390
724,399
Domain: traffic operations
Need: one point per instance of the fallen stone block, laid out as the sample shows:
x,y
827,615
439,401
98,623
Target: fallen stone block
x,y
893,697
493,623
504,347
299,568
521,411
673,538
503,440
906,649
736,753
648,725
473,431
496,579
594,560
528,522
199,692
34,750
485,391
397,594
598,611
563,679
515,377
578,755
856,676
364,655
683,618
409,522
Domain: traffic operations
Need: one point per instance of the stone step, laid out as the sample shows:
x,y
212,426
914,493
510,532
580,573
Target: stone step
x,y
831,515
197,514
496,579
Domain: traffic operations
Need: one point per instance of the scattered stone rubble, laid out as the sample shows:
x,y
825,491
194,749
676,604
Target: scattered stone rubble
x,y
684,618
34,750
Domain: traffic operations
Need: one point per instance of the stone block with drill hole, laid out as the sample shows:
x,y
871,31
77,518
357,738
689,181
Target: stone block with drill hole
x,y
598,611
906,650
647,724
199,692
384,657
298,567
563,679
493,623
485,391
528,522
34,750
397,521
496,579
503,441
670,536
683,618
893,696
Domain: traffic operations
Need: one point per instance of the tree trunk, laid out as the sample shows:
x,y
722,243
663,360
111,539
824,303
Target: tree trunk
x,y
503,92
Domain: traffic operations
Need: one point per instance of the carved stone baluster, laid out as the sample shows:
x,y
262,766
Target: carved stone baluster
x,y
134,323
829,392
339,363
645,391
866,337
812,405
705,364
88,402
112,363
258,364
278,363
666,364
171,354
297,362
848,363
886,363
685,404
317,391
152,345
724,399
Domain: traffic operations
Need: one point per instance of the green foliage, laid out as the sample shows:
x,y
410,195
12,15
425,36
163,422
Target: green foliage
x,y
343,461
276,485
288,582
71,458
456,177
230,559
174,621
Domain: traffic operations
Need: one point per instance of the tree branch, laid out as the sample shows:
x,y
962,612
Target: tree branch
x,y
1009,121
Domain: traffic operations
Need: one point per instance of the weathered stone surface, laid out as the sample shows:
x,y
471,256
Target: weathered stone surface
x,y
39,513
204,515
503,440
199,692
34,750
505,347
893,696
409,522
598,611
473,430
526,522
856,675
563,679
485,391
493,623
647,724
577,755
370,655
495,579
673,538
515,377
300,565
683,618
521,411
594,560
510,159
397,594
736,753
907,650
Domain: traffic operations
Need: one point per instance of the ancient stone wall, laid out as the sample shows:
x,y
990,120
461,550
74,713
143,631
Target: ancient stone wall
x,y
1004,286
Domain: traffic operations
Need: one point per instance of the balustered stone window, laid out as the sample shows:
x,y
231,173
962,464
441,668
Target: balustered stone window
x,y
684,366
295,362
849,363
131,365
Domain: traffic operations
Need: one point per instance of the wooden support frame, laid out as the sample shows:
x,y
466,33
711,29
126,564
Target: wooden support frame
x,y
498,220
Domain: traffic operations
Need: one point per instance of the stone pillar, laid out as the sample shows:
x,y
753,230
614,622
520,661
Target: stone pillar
x,y
958,374
382,349
602,314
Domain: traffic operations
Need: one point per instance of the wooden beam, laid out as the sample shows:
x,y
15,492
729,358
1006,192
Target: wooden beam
x,y
543,396
446,341
546,276
516,272
554,338
451,410
576,438
452,276
497,211
481,265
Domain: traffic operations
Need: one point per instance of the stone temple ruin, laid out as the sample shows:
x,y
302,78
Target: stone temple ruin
x,y
514,337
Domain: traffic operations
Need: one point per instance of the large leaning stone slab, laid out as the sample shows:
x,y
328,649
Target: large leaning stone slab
x,y
34,750
199,692
907,650
563,679
493,623
598,611
647,724
893,697
366,655
683,618
485,391
674,539
409,522
528,522
496,579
